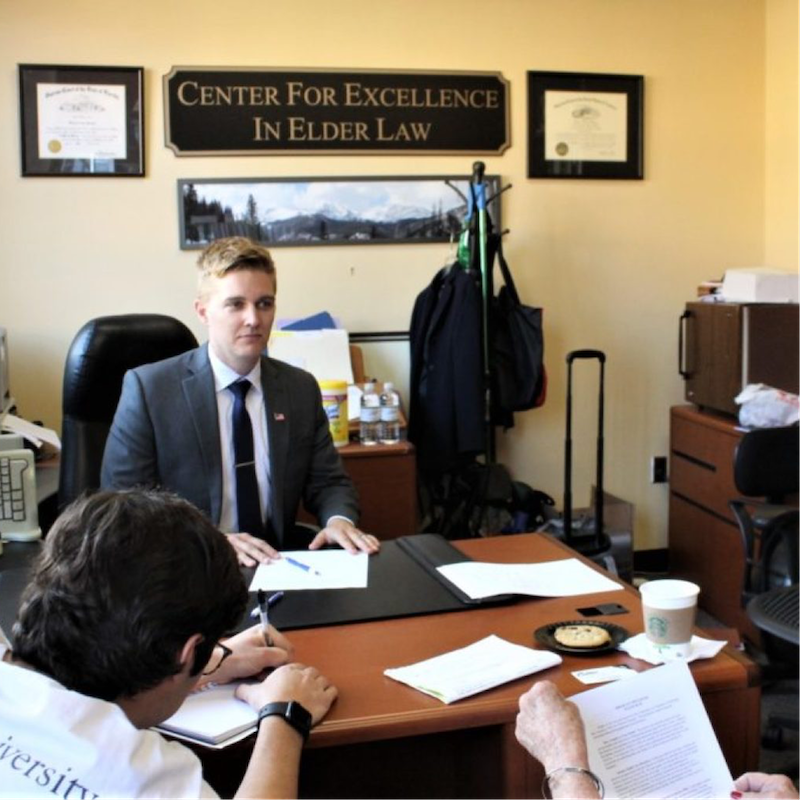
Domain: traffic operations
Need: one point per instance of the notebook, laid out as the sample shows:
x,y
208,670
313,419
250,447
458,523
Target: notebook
x,y
213,717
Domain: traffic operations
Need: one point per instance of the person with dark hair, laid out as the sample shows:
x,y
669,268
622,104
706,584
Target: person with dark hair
x,y
243,437
122,619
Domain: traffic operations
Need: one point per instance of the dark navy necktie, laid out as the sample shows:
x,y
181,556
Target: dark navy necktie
x,y
248,509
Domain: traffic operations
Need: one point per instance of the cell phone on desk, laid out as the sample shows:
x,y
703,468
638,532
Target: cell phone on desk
x,y
602,610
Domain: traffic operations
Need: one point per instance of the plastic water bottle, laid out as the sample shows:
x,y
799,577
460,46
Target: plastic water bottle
x,y
370,415
390,415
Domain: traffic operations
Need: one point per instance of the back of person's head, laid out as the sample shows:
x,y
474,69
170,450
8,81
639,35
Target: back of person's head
x,y
230,254
123,580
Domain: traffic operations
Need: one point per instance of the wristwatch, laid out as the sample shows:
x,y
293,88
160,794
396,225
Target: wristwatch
x,y
292,712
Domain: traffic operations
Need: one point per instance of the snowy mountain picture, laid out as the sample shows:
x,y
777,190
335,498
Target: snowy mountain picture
x,y
327,211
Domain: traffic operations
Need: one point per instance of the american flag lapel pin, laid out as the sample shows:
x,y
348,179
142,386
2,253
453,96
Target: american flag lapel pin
x,y
279,417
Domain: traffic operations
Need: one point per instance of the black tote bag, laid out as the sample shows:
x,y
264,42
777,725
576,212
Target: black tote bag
x,y
519,379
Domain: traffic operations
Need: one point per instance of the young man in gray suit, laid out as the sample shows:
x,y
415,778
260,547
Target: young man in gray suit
x,y
177,422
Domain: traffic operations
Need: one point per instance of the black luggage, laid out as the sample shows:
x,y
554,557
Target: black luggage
x,y
586,535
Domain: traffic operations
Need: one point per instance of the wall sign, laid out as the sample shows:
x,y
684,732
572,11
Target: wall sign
x,y
246,111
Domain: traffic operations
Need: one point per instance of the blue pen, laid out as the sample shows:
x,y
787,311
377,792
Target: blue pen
x,y
305,567
271,600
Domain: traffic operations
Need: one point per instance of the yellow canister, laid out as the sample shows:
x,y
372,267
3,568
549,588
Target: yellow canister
x,y
334,401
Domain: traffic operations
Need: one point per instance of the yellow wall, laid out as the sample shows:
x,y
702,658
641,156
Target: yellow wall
x,y
612,262
781,210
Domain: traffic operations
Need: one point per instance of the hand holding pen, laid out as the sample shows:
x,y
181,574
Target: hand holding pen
x,y
250,657
263,613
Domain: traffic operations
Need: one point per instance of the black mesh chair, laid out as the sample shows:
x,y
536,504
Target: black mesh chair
x,y
766,465
100,354
776,613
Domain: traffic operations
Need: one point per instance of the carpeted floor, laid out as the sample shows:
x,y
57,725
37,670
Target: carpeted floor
x,y
780,698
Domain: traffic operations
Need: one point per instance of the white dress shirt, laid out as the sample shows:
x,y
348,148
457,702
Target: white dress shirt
x,y
224,376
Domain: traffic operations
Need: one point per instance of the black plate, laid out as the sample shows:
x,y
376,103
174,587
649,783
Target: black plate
x,y
544,635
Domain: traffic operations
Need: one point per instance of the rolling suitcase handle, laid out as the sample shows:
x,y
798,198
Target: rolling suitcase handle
x,y
598,499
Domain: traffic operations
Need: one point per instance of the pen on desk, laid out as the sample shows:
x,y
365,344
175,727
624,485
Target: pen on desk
x,y
263,610
271,600
300,564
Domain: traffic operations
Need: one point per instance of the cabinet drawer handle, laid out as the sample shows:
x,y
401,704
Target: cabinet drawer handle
x,y
697,461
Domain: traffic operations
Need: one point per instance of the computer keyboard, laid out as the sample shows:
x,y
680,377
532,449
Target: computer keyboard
x,y
19,514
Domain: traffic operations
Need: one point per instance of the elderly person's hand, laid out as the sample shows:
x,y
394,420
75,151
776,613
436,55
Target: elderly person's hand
x,y
551,730
767,787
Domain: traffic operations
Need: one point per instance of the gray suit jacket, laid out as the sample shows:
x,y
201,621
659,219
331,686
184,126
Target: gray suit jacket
x,y
166,434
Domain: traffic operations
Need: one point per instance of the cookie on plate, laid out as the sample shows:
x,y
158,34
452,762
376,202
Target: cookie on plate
x,y
581,635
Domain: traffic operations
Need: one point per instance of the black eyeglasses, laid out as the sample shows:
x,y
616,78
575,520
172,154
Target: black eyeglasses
x,y
226,651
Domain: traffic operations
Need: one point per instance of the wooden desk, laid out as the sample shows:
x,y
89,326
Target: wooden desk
x,y
384,739
386,478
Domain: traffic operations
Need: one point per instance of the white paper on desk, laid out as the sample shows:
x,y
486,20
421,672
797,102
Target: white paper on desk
x,y
35,434
564,578
650,736
338,570
483,665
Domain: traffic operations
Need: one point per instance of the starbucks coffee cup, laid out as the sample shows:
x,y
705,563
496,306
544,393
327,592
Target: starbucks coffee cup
x,y
669,608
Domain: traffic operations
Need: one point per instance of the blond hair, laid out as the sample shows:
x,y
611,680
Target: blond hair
x,y
229,255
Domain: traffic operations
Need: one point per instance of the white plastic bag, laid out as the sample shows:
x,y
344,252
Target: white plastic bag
x,y
762,406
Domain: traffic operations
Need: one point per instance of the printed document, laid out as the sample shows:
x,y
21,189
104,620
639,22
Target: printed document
x,y
480,666
650,736
313,569
565,578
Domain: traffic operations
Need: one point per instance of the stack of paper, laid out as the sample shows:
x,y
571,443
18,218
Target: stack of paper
x,y
483,665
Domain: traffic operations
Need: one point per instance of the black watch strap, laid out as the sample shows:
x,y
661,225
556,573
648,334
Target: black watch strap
x,y
292,712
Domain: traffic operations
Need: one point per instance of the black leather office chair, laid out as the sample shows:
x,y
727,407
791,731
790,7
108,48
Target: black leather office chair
x,y
766,465
100,354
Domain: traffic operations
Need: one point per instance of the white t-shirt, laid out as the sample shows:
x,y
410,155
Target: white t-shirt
x,y
56,743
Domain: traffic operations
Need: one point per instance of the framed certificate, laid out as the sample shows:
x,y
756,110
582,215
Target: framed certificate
x,y
81,121
585,125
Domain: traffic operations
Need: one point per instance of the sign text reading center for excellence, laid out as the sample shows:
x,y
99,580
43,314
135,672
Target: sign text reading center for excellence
x,y
249,111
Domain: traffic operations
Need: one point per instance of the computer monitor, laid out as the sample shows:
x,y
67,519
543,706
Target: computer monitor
x,y
5,389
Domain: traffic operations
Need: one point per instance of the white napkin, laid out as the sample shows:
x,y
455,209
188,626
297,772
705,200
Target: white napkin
x,y
640,646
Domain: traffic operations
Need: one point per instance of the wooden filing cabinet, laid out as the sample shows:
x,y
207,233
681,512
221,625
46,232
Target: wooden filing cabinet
x,y
704,541
385,476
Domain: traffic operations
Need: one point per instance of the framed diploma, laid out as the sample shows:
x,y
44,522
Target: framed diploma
x,y
585,125
81,121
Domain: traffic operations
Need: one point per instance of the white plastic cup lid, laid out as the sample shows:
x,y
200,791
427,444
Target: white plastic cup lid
x,y
669,593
